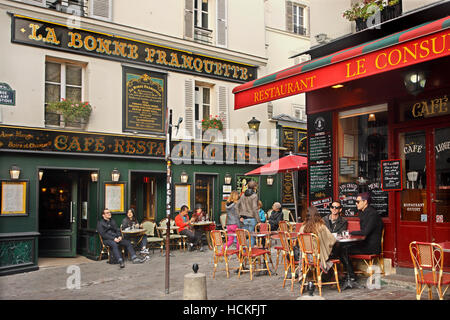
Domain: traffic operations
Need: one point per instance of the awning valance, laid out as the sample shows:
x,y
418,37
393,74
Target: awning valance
x,y
422,43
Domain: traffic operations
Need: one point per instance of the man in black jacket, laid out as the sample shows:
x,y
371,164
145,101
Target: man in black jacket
x,y
112,237
371,227
334,222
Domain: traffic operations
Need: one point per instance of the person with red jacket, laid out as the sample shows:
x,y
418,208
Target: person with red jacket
x,y
184,223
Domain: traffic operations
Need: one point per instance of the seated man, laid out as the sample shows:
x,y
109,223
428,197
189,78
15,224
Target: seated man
x,y
112,237
276,216
371,227
184,224
334,221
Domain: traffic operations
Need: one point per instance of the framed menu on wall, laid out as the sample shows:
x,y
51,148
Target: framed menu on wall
x,y
182,196
14,197
144,101
320,167
115,197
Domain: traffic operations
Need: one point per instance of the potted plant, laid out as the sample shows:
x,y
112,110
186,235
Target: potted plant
x,y
364,9
74,112
212,123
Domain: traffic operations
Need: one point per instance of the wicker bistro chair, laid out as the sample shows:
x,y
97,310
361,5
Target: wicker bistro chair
x,y
262,227
174,237
370,258
152,240
282,226
247,253
289,261
311,259
429,256
220,249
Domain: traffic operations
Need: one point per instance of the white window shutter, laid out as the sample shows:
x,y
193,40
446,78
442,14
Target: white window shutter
x,y
289,13
189,19
221,37
100,9
222,103
189,100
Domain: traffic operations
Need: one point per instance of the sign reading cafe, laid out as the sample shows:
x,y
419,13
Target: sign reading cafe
x,y
36,32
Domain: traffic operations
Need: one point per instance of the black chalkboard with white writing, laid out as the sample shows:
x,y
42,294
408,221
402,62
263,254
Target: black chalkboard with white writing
x,y
391,175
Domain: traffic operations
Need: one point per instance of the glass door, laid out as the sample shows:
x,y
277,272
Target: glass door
x,y
58,213
414,203
424,202
441,195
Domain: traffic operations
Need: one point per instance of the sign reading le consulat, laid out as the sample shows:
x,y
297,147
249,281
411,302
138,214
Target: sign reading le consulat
x,y
50,35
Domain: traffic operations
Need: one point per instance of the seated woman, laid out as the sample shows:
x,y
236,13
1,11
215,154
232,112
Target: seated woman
x,y
315,224
130,221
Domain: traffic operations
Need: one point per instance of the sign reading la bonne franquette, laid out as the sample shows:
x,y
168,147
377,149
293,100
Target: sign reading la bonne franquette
x,y
35,32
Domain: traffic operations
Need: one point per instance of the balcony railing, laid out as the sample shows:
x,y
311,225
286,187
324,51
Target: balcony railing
x,y
300,30
78,8
388,13
203,35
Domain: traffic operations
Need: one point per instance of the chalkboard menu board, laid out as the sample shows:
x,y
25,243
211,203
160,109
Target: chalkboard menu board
x,y
348,192
391,175
379,199
320,166
144,99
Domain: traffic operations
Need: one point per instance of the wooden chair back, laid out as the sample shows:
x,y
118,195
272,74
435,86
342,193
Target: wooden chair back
x,y
283,226
217,239
427,256
298,225
262,227
163,223
243,238
149,228
310,247
285,242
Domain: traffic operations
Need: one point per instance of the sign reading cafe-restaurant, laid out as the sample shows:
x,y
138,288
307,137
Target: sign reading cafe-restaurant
x,y
36,32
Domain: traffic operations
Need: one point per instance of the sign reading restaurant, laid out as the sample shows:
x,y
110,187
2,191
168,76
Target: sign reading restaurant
x,y
36,32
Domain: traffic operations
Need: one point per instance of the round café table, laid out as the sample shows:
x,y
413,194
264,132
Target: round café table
x,y
207,232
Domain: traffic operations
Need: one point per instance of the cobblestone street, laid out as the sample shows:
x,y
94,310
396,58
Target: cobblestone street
x,y
100,280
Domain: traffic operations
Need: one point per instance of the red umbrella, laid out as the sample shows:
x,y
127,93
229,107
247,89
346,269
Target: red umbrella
x,y
289,163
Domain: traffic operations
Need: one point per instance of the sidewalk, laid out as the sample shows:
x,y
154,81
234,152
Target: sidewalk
x,y
102,281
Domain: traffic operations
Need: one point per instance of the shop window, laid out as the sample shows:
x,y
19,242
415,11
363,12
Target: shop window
x,y
63,80
204,194
362,144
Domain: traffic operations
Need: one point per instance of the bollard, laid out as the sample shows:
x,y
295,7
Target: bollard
x,y
194,285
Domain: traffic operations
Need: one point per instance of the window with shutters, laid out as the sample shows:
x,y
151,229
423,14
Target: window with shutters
x,y
296,18
202,108
202,33
199,17
63,80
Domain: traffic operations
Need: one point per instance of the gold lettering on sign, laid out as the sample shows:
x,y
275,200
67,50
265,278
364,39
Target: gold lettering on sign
x,y
435,106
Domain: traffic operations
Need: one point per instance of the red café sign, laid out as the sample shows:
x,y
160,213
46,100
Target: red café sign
x,y
291,81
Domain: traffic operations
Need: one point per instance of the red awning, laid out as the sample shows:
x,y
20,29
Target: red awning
x,y
288,163
415,45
